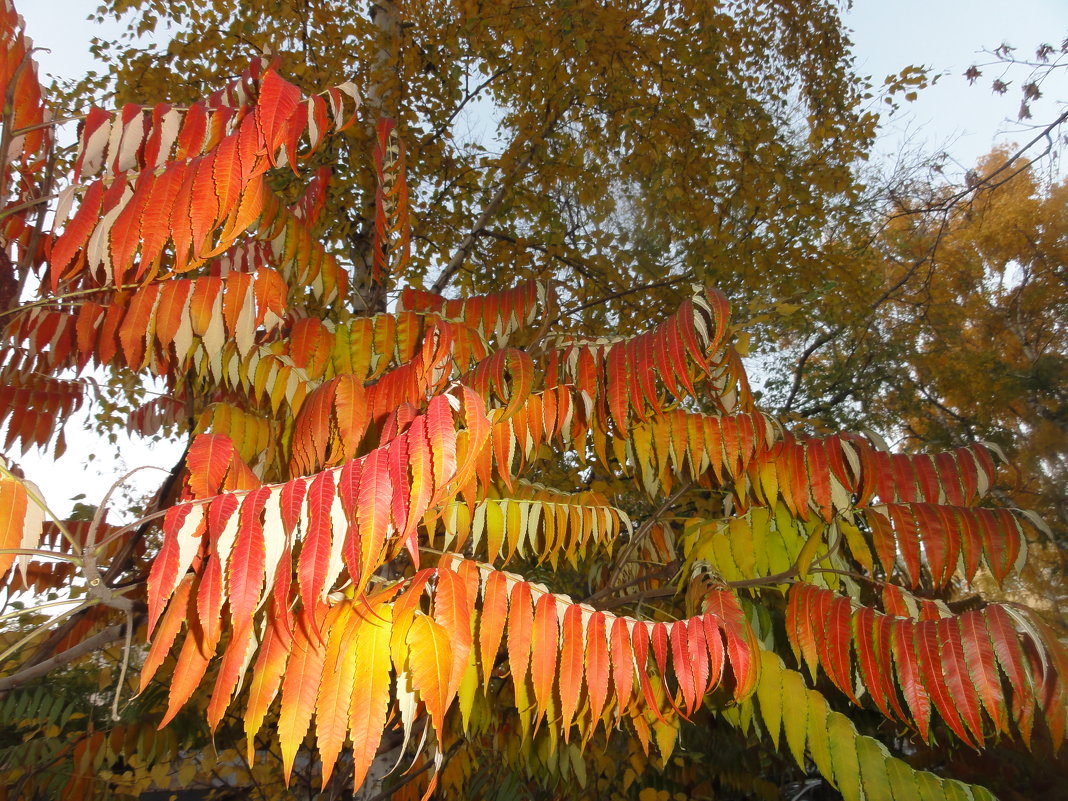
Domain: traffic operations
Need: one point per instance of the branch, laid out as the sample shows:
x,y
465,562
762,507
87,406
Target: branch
x,y
471,95
462,252
987,181
667,571
94,643
644,530
621,293
805,356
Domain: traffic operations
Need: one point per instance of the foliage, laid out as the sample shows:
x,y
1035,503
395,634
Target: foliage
x,y
968,345
998,259
738,118
330,555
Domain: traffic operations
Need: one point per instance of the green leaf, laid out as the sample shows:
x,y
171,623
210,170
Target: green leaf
x,y
843,748
795,713
819,745
874,770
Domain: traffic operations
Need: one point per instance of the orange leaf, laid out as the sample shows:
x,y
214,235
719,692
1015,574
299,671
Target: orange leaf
x,y
335,691
491,622
188,671
266,677
430,658
520,631
571,666
622,665
300,687
453,609
370,695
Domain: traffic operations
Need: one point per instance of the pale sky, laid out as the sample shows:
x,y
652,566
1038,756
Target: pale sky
x,y
949,36
946,35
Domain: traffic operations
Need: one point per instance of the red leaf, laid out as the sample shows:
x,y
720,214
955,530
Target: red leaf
x,y
247,565
873,658
182,529
544,644
442,436
908,674
680,659
491,622
837,638
697,652
618,384
958,679
208,461
277,102
571,667
315,551
639,642
1007,648
982,668
292,499
209,602
422,486
376,490
597,666
716,653
930,662
908,540
744,661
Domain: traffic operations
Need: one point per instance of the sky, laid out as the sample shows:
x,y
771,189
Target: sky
x,y
948,36
945,35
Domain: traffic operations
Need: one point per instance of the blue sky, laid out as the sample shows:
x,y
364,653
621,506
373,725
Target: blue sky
x,y
948,36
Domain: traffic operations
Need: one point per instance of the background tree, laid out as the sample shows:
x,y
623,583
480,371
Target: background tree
x,y
530,128
335,535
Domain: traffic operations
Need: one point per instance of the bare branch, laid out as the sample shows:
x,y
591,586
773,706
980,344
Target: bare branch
x,y
86,646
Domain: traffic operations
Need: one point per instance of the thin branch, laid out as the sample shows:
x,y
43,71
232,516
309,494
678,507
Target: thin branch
x,y
806,354
666,571
621,293
86,646
494,205
988,181
125,665
471,95
644,529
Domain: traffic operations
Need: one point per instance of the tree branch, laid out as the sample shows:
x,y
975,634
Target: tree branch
x,y
461,253
87,646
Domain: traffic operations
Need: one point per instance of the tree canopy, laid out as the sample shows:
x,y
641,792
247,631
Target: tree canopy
x,y
469,503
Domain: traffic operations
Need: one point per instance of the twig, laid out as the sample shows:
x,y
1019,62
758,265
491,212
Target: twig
x,y
621,293
125,664
643,531
467,98
464,249
97,641
667,570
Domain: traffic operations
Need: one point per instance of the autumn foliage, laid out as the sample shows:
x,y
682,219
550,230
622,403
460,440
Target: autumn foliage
x,y
446,535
